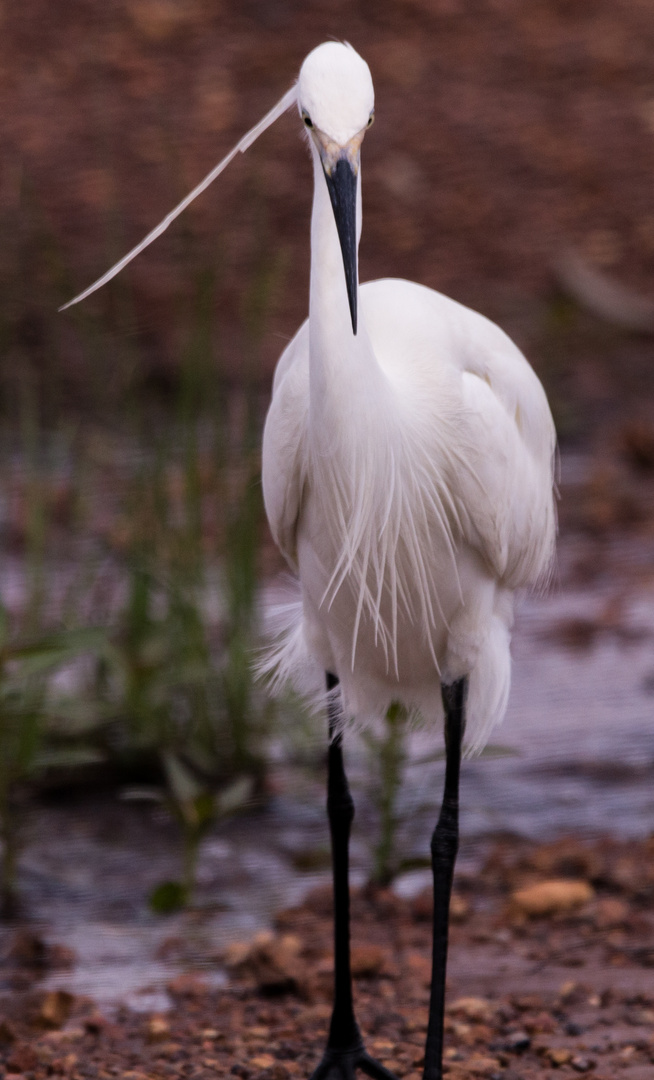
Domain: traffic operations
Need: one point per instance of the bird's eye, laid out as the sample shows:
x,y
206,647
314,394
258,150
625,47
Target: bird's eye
x,y
371,119
307,120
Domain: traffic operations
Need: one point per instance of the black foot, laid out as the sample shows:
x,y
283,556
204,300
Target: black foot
x,y
342,1065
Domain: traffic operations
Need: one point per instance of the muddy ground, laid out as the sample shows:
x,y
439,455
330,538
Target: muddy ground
x,y
506,135
551,974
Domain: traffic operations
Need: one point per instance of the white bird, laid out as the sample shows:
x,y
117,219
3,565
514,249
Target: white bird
x,y
407,478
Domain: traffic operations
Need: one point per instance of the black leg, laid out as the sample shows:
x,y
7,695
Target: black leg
x,y
444,846
345,1051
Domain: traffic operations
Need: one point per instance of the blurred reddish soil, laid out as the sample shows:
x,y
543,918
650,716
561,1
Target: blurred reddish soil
x,y
507,133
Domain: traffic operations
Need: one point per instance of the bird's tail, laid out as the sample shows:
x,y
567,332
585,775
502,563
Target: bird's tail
x,y
488,692
285,659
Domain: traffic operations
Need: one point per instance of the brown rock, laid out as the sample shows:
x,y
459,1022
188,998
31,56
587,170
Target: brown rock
x,y
473,1008
367,960
551,897
273,961
55,1008
573,993
541,1023
157,1028
459,908
187,985
558,1055
581,1064
263,1061
95,1024
610,912
236,953
481,1065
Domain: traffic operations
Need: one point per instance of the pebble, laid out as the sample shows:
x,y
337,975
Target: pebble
x,y
473,1008
55,1008
551,897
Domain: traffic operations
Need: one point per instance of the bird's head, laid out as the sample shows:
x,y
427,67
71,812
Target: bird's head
x,y
336,100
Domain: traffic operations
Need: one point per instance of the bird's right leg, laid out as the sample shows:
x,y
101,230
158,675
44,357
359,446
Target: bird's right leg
x,y
444,846
345,1052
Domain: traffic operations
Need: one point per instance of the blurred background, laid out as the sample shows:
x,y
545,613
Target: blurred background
x,y
143,771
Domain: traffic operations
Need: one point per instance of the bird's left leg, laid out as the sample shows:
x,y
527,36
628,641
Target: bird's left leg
x,y
345,1052
444,847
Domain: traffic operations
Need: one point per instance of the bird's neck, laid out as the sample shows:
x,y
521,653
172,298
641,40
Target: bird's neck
x,y
343,366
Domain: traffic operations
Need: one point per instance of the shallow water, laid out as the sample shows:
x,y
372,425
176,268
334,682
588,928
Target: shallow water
x,y
578,758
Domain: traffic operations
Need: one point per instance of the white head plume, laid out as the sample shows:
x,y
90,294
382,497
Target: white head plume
x,y
289,98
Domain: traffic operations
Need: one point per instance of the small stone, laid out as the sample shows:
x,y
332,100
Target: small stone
x,y
187,985
263,1061
551,897
459,908
382,1046
541,1023
318,1013
481,1065
581,1064
573,1028
473,1008
158,1028
56,1007
367,960
517,1042
236,953
95,1023
257,1031
611,912
559,1055
570,991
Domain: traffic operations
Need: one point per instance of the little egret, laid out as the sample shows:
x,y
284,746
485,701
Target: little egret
x,y
407,477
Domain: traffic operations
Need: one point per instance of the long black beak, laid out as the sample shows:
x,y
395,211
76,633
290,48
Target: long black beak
x,y
342,187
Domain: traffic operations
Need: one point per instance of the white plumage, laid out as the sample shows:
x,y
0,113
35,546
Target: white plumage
x,y
407,469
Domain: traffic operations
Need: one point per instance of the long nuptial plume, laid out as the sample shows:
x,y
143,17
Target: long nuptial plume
x,y
289,99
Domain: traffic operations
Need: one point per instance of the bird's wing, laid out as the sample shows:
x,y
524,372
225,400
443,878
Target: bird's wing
x,y
284,443
489,422
509,490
